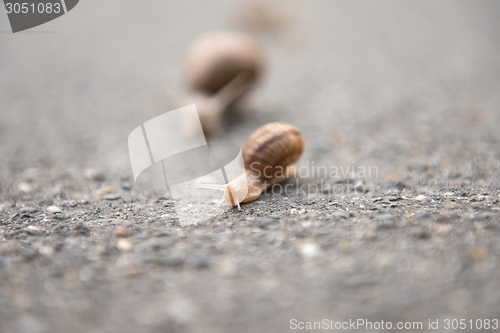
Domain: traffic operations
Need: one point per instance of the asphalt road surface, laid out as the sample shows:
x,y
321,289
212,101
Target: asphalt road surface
x,y
407,91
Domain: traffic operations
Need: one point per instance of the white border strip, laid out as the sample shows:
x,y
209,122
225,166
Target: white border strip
x,y
64,6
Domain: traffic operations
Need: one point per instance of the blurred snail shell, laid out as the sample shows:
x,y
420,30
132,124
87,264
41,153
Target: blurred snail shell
x,y
214,59
269,154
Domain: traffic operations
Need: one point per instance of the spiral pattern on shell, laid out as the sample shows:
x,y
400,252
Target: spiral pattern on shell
x,y
271,149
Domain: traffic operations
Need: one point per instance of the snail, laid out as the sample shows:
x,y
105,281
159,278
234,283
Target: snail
x,y
216,58
269,155
220,67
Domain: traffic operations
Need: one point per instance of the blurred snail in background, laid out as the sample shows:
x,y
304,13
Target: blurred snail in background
x,y
214,59
220,67
269,155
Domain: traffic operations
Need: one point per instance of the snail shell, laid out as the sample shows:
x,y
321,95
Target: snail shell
x,y
271,149
214,59
269,154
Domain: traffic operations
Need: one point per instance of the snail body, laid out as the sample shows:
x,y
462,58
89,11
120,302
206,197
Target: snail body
x,y
211,108
269,155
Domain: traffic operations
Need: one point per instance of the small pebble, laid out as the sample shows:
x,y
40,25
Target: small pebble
x,y
421,197
124,245
294,211
424,216
423,234
126,185
46,250
82,229
27,210
340,215
54,209
443,219
111,196
124,232
442,229
93,174
103,191
386,222
70,203
309,250
30,173
369,235
24,187
307,224
31,230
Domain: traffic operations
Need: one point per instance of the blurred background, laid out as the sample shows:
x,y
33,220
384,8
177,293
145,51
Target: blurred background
x,y
83,82
412,87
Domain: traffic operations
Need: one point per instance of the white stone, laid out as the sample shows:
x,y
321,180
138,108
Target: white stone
x,y
124,245
54,209
33,230
310,250
24,187
421,197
